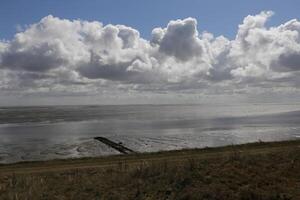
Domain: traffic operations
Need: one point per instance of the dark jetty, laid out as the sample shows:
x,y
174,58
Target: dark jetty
x,y
118,146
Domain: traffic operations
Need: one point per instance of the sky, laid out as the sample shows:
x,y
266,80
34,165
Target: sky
x,y
120,52
217,17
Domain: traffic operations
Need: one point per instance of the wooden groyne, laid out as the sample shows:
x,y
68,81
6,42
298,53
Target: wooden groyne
x,y
117,146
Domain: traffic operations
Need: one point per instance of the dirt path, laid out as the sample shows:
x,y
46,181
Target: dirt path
x,y
170,156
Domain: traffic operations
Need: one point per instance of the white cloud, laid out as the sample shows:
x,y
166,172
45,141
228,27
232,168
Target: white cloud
x,y
63,55
180,39
265,53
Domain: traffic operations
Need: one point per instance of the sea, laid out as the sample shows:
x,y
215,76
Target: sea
x,y
59,132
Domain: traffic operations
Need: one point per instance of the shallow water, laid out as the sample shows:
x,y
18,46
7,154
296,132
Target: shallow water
x,y
41,133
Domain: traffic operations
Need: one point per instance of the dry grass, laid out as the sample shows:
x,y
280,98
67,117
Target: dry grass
x,y
231,173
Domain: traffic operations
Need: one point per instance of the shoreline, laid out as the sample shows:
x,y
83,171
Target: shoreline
x,y
73,163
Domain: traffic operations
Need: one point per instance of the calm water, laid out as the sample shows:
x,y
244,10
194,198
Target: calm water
x,y
39,133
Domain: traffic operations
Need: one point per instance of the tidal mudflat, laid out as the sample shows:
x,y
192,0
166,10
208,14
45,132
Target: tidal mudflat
x,y
57,132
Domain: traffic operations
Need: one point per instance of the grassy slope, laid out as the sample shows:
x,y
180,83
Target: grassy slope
x,y
251,171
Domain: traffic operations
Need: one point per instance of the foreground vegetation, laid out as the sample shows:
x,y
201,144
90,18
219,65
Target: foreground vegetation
x,y
264,171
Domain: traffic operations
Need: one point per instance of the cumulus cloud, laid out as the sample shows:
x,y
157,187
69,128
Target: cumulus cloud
x,y
43,46
62,55
180,39
265,53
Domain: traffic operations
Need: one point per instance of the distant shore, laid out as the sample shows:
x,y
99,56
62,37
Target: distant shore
x,y
258,170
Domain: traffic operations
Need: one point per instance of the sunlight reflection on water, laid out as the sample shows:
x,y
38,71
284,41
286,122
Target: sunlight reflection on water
x,y
67,132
